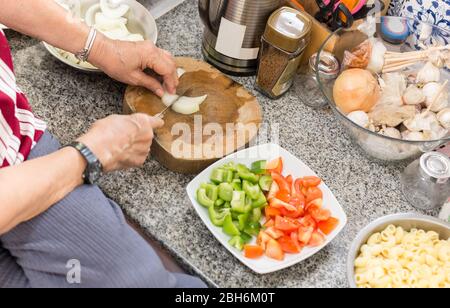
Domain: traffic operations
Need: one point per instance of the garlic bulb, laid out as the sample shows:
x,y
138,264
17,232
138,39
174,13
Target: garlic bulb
x,y
429,73
376,62
437,132
430,91
391,132
413,136
422,122
359,117
444,118
413,96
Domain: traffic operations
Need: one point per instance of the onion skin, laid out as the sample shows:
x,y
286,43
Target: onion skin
x,y
356,89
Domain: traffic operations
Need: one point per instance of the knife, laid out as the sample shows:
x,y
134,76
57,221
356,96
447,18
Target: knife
x,y
163,113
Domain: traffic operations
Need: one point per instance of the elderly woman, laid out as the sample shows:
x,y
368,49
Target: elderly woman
x,y
57,229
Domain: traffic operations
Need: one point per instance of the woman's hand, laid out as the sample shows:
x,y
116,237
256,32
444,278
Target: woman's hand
x,y
122,141
126,62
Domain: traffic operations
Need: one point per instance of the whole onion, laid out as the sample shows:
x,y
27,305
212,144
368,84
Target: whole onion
x,y
356,89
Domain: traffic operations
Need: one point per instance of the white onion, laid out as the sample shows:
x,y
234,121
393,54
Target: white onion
x,y
89,18
118,33
113,12
189,105
104,23
168,99
180,72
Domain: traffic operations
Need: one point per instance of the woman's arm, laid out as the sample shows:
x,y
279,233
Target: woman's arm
x,y
124,61
30,188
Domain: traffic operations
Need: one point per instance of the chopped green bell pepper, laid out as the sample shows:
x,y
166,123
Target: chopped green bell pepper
x,y
238,201
212,192
259,167
218,216
246,238
230,166
226,192
237,242
203,199
218,176
256,215
219,202
242,169
253,191
265,182
227,205
253,228
229,176
248,176
260,202
237,184
229,227
243,219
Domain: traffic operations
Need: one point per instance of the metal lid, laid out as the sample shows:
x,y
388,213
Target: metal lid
x,y
329,66
286,28
436,165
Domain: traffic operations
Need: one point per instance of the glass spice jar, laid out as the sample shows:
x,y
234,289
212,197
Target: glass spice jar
x,y
308,84
426,182
286,36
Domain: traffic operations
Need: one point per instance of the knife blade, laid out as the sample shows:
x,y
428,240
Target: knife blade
x,y
162,113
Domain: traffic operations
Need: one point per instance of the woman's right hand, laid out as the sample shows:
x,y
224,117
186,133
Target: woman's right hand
x,y
122,141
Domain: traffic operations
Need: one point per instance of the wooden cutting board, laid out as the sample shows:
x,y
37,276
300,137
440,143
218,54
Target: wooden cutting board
x,y
227,121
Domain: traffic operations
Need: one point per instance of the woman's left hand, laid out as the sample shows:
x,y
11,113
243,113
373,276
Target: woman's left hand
x,y
126,62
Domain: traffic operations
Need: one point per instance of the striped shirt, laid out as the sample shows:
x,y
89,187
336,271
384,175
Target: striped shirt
x,y
19,129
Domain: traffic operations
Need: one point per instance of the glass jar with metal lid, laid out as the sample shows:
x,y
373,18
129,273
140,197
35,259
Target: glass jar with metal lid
x,y
426,182
286,36
308,88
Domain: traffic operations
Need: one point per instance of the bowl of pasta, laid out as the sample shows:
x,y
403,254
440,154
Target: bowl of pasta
x,y
401,250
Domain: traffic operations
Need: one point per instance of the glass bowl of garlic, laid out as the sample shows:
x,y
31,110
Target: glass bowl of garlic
x,y
392,95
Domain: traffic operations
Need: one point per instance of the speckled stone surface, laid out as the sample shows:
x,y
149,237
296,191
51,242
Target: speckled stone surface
x,y
155,197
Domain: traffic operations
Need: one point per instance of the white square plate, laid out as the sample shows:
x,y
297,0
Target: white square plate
x,y
292,165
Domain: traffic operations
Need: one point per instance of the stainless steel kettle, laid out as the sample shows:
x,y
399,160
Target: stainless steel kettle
x,y
233,30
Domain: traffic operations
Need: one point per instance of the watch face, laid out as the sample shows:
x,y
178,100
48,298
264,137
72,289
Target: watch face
x,y
94,172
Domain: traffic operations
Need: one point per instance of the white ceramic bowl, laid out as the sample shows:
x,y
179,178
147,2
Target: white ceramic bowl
x,y
140,21
292,165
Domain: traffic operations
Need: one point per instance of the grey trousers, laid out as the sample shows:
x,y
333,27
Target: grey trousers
x,y
86,236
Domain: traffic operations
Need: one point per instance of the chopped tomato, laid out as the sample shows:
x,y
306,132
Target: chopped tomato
x,y
269,223
297,188
278,204
263,239
274,250
316,202
286,224
274,189
253,251
317,239
290,180
304,235
313,193
297,200
294,238
308,221
293,214
318,213
281,181
272,212
328,226
274,233
284,196
311,181
275,165
288,245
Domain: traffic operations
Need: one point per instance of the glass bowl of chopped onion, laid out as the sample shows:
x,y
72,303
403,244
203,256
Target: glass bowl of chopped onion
x,y
126,20
392,95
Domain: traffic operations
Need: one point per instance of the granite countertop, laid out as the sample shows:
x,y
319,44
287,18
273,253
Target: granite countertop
x,y
155,198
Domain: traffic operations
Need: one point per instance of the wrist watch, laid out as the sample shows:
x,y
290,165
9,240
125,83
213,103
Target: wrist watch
x,y
94,169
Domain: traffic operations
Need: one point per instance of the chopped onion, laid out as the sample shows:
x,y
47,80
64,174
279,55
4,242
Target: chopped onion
x,y
135,38
113,12
169,99
89,18
103,23
180,72
118,33
189,105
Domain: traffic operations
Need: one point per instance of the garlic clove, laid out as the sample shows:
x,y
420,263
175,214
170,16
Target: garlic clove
x,y
391,132
413,136
359,117
413,96
430,91
444,118
429,73
422,122
376,62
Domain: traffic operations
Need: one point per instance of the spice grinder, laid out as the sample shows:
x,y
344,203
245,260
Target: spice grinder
x,y
233,30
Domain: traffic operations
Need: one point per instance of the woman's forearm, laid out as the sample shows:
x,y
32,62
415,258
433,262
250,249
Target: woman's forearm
x,y
29,189
45,20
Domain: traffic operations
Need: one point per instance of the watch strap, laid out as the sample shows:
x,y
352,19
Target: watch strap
x,y
91,159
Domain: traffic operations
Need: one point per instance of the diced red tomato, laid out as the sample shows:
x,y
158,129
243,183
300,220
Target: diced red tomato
x,y
318,214
328,226
316,202
274,189
281,181
274,250
311,181
290,180
283,196
278,204
308,221
297,200
304,235
274,233
286,224
269,223
263,239
275,165
297,188
253,251
317,239
288,245
313,193
294,237
299,212
272,212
